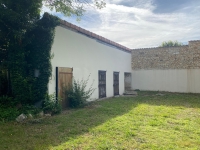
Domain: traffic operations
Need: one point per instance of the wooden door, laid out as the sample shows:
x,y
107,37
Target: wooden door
x,y
116,83
102,84
63,79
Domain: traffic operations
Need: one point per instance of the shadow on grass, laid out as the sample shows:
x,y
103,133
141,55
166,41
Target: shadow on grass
x,y
53,131
59,129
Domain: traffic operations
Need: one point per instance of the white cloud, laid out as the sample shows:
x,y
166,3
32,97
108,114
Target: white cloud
x,y
140,27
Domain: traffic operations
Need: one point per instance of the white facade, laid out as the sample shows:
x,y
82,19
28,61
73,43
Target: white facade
x,y
87,56
173,80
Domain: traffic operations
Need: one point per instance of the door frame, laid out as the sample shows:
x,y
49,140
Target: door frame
x,y
99,83
115,72
127,81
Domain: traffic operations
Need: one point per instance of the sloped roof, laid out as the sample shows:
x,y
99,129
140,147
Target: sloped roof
x,y
93,35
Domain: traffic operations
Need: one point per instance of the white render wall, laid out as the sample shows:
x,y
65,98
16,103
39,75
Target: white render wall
x,y
87,56
174,80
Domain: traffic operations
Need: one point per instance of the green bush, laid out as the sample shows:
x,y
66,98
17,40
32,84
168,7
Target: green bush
x,y
52,104
30,109
8,110
77,94
8,113
170,44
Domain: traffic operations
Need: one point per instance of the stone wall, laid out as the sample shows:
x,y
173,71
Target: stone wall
x,y
181,57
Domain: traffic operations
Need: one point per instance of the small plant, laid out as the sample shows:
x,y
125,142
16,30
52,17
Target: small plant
x,y
52,104
77,94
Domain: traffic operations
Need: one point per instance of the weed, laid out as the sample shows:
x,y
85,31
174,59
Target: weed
x,y
52,104
77,94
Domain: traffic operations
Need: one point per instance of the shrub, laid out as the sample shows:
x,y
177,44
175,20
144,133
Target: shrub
x,y
8,113
10,109
77,94
52,104
29,109
171,44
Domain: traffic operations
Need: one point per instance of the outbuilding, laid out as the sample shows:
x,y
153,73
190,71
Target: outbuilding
x,y
80,54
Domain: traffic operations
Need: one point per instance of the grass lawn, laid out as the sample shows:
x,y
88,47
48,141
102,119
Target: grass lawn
x,y
148,121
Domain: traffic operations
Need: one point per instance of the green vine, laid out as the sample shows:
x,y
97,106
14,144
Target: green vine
x,y
39,55
32,53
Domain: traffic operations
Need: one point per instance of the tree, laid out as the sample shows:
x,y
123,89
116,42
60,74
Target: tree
x,y
170,44
16,17
72,7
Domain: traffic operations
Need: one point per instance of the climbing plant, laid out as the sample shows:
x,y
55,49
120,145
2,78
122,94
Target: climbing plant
x,y
38,56
25,55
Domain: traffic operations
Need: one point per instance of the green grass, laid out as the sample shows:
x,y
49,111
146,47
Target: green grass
x,y
148,121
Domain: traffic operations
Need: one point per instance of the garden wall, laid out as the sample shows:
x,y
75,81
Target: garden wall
x,y
174,69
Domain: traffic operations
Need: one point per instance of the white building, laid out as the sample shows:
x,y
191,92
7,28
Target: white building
x,y
79,53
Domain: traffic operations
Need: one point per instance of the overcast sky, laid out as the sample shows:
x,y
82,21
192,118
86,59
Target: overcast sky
x,y
143,23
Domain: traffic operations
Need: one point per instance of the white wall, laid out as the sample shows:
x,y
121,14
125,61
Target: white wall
x,y
182,80
87,56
